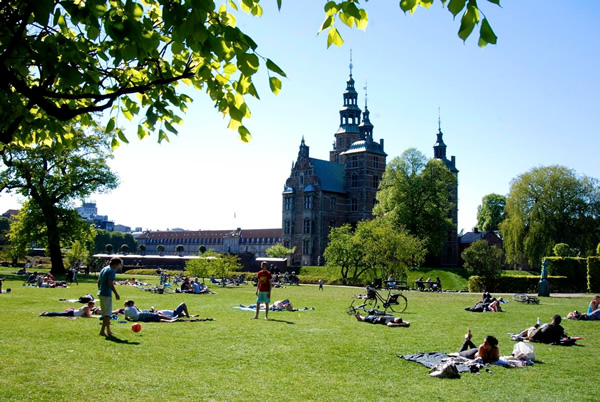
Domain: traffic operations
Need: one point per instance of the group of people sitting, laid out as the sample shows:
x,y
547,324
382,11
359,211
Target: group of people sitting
x,y
232,281
487,304
195,287
429,285
45,281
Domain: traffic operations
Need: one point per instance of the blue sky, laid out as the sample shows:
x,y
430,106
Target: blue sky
x,y
532,100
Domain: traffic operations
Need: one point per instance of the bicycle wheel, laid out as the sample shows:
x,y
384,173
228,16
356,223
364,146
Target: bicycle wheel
x,y
520,297
400,305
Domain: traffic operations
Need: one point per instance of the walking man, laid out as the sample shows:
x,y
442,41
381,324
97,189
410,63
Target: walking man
x,y
106,287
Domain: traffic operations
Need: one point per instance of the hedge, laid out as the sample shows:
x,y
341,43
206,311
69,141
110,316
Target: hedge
x,y
593,274
148,271
575,269
520,284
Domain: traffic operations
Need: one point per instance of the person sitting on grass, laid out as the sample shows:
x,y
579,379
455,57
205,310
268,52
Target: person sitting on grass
x,y
132,313
486,304
593,311
199,288
85,312
388,320
488,351
547,333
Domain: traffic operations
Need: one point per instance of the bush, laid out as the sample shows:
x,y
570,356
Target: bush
x,y
593,274
484,260
148,271
575,269
520,284
562,250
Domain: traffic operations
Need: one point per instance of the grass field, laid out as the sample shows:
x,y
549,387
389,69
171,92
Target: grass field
x,y
317,355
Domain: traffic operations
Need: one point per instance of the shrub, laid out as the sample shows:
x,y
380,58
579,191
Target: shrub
x,y
108,248
562,250
485,261
519,284
575,269
148,271
124,248
593,274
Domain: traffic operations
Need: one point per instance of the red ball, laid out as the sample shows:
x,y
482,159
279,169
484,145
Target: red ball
x,y
137,327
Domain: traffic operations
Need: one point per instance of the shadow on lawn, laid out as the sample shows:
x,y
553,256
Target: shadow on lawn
x,y
114,339
276,320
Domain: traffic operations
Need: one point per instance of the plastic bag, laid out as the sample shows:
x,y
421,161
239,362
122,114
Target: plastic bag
x,y
524,349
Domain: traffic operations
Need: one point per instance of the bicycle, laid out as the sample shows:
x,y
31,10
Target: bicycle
x,y
395,302
523,298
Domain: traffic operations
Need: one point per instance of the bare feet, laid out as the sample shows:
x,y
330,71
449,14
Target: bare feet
x,y
43,314
468,335
102,334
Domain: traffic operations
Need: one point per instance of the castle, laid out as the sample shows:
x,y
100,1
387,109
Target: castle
x,y
322,194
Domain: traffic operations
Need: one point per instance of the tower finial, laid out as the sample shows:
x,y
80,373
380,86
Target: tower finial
x,y
366,94
350,62
439,120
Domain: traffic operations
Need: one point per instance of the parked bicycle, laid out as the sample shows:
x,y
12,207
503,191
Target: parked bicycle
x,y
393,301
523,298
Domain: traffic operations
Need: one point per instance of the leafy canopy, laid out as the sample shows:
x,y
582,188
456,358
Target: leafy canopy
x,y
484,260
491,212
550,205
415,195
68,60
279,251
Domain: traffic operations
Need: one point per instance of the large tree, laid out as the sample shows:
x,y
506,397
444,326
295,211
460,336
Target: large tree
x,y
64,60
550,205
52,175
414,196
491,212
484,260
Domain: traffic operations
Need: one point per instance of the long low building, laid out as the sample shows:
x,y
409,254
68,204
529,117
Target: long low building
x,y
253,241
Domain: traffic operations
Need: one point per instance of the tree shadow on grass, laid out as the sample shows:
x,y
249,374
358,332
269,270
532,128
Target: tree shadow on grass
x,y
276,320
114,339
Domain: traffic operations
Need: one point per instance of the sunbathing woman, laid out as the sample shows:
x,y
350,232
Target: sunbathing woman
x,y
488,351
85,311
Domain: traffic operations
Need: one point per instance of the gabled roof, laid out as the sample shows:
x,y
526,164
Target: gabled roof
x,y
472,237
330,174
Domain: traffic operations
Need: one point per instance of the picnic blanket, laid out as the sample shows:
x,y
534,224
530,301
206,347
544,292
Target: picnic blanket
x,y
252,307
433,359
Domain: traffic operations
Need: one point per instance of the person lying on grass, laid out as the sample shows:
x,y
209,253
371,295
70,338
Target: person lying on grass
x,y
488,351
486,304
85,312
388,320
547,333
132,313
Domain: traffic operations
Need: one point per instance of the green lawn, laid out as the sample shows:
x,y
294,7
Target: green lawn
x,y
322,354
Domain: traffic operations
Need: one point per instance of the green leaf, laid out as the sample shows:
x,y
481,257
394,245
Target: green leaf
x,y
426,3
363,21
275,68
334,38
468,21
122,136
177,47
495,1
114,144
326,24
41,10
92,32
230,68
233,5
275,84
409,5
331,8
170,127
347,19
110,126
279,5
456,6
141,132
486,34
244,134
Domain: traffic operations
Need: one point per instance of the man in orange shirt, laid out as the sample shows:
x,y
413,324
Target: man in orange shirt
x,y
263,290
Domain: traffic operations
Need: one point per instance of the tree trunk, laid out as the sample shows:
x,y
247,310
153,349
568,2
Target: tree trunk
x,y
58,267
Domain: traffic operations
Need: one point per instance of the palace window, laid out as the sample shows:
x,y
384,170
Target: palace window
x,y
306,246
376,181
332,203
354,161
308,202
286,227
354,205
288,203
286,243
376,162
354,180
307,226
